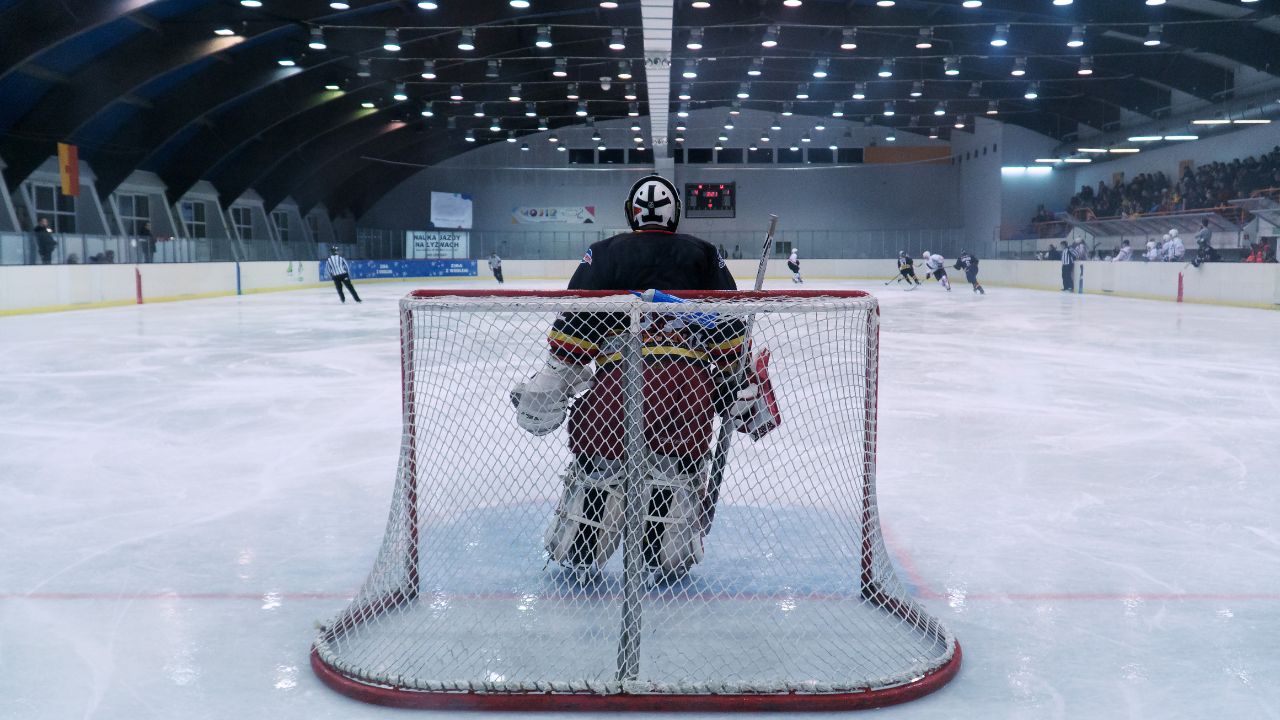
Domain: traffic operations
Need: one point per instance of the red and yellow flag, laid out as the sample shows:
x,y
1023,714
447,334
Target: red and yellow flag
x,y
69,168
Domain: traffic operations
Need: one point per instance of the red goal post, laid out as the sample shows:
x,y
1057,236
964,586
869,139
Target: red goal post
x,y
793,603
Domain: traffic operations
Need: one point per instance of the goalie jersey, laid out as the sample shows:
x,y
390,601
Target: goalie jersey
x,y
638,261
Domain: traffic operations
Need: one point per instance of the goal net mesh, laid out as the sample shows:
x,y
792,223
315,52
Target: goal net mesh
x,y
603,557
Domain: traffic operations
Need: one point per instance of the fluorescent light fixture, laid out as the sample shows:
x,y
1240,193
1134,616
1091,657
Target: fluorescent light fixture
x,y
1051,161
1146,138
224,32
286,62
1252,121
1101,151
391,43
1079,160
332,87
1181,137
367,105
1211,121
428,5
1001,36
1124,151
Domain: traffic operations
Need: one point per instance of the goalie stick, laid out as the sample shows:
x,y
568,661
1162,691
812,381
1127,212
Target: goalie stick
x,y
724,438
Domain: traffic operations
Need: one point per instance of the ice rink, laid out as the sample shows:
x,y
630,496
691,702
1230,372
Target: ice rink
x,y
1083,488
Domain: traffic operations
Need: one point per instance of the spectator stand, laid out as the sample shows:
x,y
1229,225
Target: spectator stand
x,y
1104,235
1025,242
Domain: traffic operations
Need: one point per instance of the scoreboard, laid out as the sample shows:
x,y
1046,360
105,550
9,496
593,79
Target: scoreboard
x,y
710,200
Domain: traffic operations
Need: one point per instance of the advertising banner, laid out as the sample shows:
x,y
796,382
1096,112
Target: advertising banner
x,y
369,269
451,210
437,244
576,215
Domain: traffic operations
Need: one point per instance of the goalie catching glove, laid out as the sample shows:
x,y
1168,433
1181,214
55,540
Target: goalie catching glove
x,y
542,401
753,408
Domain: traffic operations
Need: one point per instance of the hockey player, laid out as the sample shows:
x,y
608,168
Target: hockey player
x,y
969,264
691,371
907,269
1174,250
495,266
793,264
1124,253
935,265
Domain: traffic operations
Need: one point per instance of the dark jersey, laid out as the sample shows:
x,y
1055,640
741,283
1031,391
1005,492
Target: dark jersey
x,y
639,261
966,262
905,262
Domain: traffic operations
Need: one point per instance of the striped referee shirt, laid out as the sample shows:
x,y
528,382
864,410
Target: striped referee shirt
x,y
1068,257
337,265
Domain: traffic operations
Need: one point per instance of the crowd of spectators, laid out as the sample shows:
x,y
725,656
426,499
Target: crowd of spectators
x,y
1210,185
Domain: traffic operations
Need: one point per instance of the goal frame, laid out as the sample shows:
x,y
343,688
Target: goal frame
x,y
404,697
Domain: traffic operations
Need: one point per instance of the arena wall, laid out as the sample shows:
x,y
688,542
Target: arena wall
x,y
33,289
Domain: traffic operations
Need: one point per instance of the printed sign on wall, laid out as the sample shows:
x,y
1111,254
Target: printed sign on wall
x,y
436,244
451,210
367,269
577,215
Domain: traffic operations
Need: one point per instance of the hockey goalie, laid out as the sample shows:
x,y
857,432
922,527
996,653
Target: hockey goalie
x,y
693,370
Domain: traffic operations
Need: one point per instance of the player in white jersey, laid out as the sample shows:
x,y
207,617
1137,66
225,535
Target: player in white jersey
x,y
793,264
935,265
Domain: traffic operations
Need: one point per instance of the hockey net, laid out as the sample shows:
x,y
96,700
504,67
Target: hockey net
x,y
522,571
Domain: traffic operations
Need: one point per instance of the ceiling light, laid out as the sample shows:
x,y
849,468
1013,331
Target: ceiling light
x,y
624,70
333,87
951,66
722,136
1001,37
617,41
571,91
471,136
1252,121
890,109
1102,151
1076,39
635,126
544,37
595,136
582,109
530,110
1019,67
924,39
1062,2
993,108
802,92
467,41
633,109
491,69
1155,2
849,39
428,5
681,126
770,37
683,110
1079,160
1145,138
971,4
429,70
753,147
630,92
776,124
364,69
695,39
685,92
561,68
391,43
786,109
1211,121
495,125
455,93
400,95
251,3
511,136
637,139
608,5
519,4
224,32
1048,161
959,122
514,95
860,91
286,62
478,110
933,133
757,68
700,4
542,124
524,147
1181,137
794,148
601,146
940,110
805,138
1033,91
975,90
719,147
823,68
1153,35
680,138
917,89
744,91
1086,66
792,3
690,70
317,39
764,137
728,123
339,5
885,3
838,110
886,68
428,109
367,105
1124,151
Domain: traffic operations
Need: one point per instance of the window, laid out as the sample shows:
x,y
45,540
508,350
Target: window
x,y
612,157
280,219
699,155
582,156
787,155
242,219
135,211
729,156
760,155
58,209
193,218
640,157
313,224
821,155
849,156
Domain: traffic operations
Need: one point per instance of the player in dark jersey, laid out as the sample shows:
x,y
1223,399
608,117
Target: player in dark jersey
x,y
969,264
907,269
690,373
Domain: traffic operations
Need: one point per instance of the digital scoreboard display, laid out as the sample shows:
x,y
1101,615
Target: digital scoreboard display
x,y
709,200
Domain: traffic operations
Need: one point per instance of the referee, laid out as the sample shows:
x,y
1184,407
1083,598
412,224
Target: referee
x,y
1068,267
341,273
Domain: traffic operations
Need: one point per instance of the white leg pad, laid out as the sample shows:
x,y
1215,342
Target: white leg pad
x,y
673,522
588,520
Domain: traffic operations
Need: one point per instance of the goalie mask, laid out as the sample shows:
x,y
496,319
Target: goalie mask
x,y
653,204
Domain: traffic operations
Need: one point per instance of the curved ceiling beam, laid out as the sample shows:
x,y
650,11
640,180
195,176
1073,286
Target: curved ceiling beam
x,y
45,24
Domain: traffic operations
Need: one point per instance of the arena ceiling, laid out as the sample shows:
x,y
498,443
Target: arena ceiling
x,y
301,98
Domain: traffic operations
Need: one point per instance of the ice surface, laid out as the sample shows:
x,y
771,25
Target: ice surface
x,y
1082,488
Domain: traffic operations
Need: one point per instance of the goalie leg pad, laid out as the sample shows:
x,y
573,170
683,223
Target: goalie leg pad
x,y
673,522
588,520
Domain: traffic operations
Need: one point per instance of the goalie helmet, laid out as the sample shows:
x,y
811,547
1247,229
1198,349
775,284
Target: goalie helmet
x,y
653,204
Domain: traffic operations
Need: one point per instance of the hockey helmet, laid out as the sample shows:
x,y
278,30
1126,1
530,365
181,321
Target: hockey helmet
x,y
1173,232
653,204
925,254
333,249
